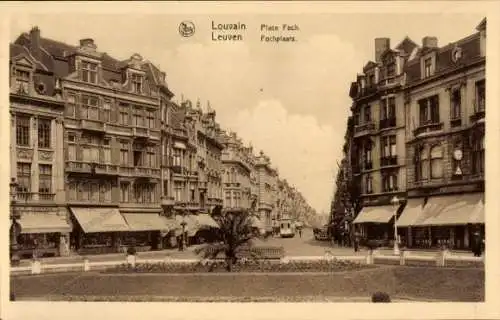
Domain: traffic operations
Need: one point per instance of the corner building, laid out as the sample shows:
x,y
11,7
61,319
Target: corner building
x,y
445,106
111,145
378,143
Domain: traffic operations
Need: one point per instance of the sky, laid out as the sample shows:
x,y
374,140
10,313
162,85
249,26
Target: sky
x,y
289,100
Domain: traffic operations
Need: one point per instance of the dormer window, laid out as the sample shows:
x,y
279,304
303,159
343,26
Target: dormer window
x,y
136,80
427,67
22,79
89,72
391,69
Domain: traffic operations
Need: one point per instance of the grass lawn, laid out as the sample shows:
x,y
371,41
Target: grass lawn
x,y
414,283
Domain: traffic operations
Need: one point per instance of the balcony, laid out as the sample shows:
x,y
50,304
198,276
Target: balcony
x,y
364,129
93,125
140,133
177,169
144,172
33,197
389,161
369,90
367,165
391,82
91,168
479,111
427,127
387,123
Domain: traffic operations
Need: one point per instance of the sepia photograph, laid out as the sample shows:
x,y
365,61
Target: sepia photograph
x,y
234,156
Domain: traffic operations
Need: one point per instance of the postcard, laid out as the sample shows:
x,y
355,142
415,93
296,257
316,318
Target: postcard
x,y
249,159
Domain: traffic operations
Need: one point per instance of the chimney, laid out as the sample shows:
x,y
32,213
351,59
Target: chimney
x,y
35,41
381,44
429,42
88,42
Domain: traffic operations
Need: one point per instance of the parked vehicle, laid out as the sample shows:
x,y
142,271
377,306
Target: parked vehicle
x,y
287,228
321,234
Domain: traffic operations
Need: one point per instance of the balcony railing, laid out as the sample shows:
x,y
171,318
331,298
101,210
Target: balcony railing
x,y
392,81
427,127
387,123
388,161
93,125
29,197
366,128
91,167
367,165
167,201
140,133
369,90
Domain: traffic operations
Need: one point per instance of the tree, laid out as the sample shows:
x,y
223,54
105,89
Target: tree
x,y
235,236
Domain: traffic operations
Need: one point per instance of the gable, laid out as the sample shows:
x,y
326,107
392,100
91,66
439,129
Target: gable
x,y
24,61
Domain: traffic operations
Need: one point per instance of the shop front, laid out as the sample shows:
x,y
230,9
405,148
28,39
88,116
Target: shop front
x,y
146,230
44,233
98,230
373,223
444,221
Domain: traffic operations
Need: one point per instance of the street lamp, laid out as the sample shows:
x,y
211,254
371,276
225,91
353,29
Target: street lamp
x,y
395,201
15,228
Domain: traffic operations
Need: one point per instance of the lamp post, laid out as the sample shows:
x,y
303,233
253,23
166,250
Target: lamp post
x,y
15,228
395,202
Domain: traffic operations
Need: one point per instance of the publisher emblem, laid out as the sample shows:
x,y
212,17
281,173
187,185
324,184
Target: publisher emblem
x,y
186,28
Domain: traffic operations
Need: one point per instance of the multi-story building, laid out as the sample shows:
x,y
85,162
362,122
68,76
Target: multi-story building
x,y
267,179
238,166
111,144
36,150
379,136
445,114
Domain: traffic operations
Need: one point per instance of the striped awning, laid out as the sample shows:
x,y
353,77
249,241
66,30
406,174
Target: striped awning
x,y
204,220
146,222
411,213
452,210
376,214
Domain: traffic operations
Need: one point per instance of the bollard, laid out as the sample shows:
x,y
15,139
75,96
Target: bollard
x,y
86,264
402,257
131,260
369,257
36,267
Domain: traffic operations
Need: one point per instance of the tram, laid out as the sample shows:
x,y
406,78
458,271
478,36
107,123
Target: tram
x,y
287,228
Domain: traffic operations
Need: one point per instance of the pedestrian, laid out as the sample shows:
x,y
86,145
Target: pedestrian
x,y
300,232
476,245
356,242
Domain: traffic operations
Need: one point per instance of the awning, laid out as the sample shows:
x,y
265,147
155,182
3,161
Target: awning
x,y
94,220
146,222
477,215
205,220
377,214
44,222
411,213
451,210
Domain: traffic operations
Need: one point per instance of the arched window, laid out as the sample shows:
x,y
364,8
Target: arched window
x,y
436,157
424,164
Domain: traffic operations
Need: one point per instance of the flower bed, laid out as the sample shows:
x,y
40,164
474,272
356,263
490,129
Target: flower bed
x,y
241,266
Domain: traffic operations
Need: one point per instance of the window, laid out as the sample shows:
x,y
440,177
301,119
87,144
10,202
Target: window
x,y
388,145
70,110
427,67
105,192
151,157
237,199
367,114
23,130
390,181
123,116
106,113
388,108
45,178
89,108
178,191
22,78
72,191
138,118
478,156
136,81
71,152
391,69
368,184
89,72
23,177
94,192
456,104
177,157
106,151
124,153
367,156
83,191
138,161
228,199
480,96
151,119
424,164
192,193
44,126
371,80
429,110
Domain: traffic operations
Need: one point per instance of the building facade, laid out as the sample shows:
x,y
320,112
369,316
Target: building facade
x,y
267,178
445,106
36,153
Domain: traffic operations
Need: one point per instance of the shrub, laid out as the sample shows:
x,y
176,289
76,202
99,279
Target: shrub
x,y
131,250
381,297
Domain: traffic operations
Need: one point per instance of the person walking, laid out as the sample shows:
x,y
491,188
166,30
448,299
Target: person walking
x,y
300,232
476,245
356,242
